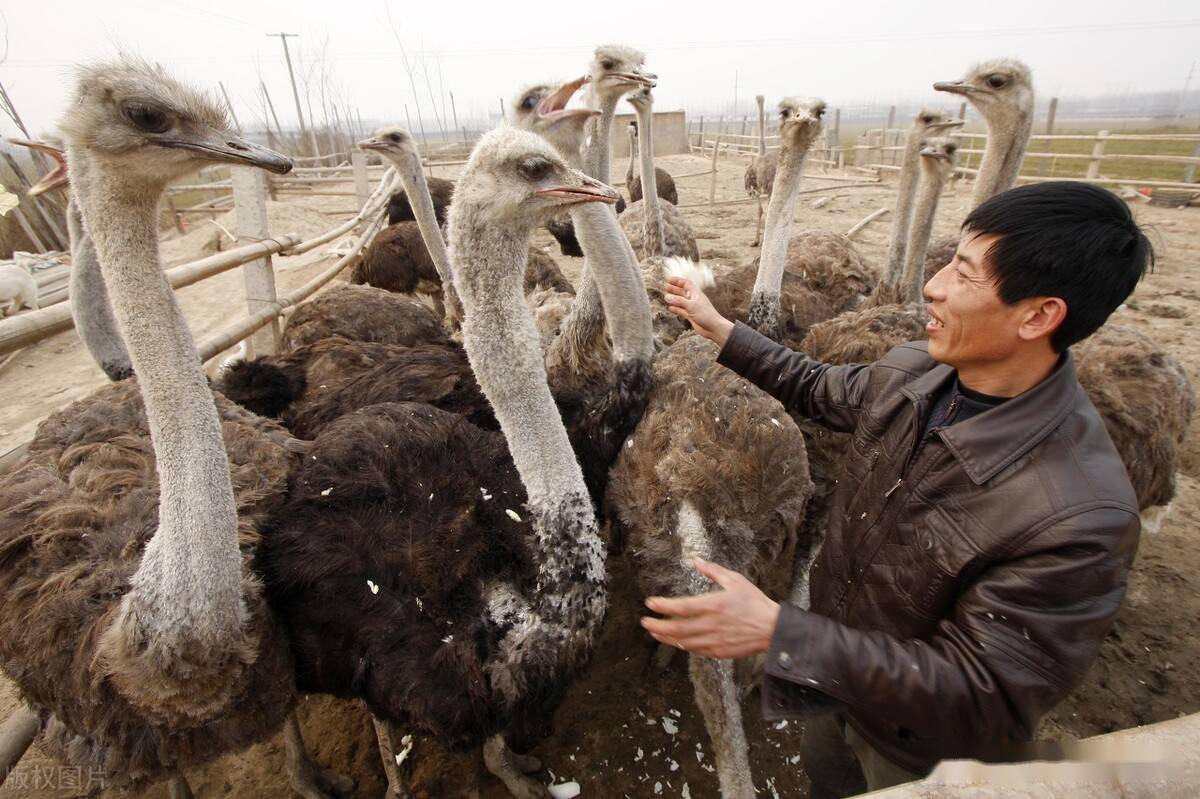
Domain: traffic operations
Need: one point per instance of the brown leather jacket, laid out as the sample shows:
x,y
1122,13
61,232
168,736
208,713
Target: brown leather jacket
x,y
966,581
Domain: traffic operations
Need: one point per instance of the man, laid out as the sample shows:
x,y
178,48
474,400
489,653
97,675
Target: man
x,y
983,526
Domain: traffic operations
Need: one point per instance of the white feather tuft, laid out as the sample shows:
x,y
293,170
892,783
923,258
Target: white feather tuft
x,y
700,273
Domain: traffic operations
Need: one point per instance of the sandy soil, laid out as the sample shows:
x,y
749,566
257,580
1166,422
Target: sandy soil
x,y
609,734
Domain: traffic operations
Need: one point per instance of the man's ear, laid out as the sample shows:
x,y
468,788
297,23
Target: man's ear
x,y
1043,315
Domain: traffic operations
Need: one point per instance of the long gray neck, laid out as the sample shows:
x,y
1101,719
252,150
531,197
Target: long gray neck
x,y
412,177
94,319
902,218
765,312
653,238
928,194
505,353
762,128
1006,145
619,282
185,600
597,160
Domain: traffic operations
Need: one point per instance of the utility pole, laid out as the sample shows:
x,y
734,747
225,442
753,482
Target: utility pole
x,y
1187,84
304,131
735,77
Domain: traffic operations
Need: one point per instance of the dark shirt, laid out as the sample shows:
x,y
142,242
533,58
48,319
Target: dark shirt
x,y
957,403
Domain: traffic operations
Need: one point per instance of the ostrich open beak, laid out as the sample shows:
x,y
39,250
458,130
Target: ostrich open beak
x,y
553,107
956,87
228,148
634,78
588,190
53,179
372,144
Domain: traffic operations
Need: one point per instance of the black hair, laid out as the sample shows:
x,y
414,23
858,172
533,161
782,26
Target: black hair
x,y
1064,239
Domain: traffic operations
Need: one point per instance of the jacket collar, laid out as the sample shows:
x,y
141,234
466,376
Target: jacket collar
x,y
990,442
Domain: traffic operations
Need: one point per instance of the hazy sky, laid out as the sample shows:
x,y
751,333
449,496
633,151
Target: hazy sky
x,y
865,51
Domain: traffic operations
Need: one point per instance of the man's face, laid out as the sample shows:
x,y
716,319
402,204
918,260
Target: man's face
x,y
969,325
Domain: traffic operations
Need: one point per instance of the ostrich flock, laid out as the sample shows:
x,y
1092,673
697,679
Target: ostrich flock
x,y
413,502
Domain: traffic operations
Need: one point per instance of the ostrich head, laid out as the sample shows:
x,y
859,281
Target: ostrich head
x,y
55,177
542,109
615,70
152,127
517,180
395,144
931,122
641,99
940,154
800,120
1000,89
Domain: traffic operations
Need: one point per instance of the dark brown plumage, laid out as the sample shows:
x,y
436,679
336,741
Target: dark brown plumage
x,y
800,305
79,509
1146,400
865,335
440,190
678,238
831,265
362,313
663,182
563,231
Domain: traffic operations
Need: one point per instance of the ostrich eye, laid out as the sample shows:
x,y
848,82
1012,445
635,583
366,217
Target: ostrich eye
x,y
997,81
951,148
151,120
928,120
608,64
819,111
529,102
395,137
785,113
535,168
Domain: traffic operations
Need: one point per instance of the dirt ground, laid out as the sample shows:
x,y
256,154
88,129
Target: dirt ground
x,y
625,729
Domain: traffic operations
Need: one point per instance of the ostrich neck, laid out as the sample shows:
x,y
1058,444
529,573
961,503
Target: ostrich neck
x,y
653,235
929,193
1002,159
780,212
412,177
94,320
598,160
618,281
188,585
762,130
502,345
905,189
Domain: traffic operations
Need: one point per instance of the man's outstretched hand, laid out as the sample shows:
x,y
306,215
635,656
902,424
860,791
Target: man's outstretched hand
x,y
735,622
688,302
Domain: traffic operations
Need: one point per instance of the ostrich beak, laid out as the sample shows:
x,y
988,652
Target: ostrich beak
x,y
372,144
635,78
226,147
53,179
588,190
955,87
949,123
929,152
553,107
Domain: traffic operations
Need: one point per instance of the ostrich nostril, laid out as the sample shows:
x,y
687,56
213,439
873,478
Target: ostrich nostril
x,y
236,145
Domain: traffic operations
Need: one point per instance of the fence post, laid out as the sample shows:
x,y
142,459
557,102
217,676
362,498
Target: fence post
x,y
362,185
712,186
1093,170
835,138
1189,174
701,137
743,126
250,202
1050,112
887,135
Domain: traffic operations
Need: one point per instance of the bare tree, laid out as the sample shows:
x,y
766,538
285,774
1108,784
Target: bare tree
x,y
408,70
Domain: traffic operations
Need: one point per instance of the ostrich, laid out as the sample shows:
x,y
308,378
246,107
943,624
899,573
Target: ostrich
x,y
133,622
362,313
440,190
760,172
409,256
653,225
17,290
1002,91
464,647
780,304
633,180
925,123
90,308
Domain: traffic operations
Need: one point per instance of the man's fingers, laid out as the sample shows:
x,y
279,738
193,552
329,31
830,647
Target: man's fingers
x,y
678,628
680,285
681,606
718,574
674,299
680,312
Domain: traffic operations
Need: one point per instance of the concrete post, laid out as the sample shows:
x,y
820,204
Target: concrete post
x,y
1050,112
362,185
250,201
712,186
1093,170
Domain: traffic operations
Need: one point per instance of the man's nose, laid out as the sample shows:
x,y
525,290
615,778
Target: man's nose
x,y
935,287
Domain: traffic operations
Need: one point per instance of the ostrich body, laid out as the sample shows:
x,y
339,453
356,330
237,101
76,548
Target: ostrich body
x,y
440,191
663,181
1002,91
760,172
654,226
769,296
133,620
461,646
362,313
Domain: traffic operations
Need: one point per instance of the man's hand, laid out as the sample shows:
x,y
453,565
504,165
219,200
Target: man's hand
x,y
689,302
735,622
